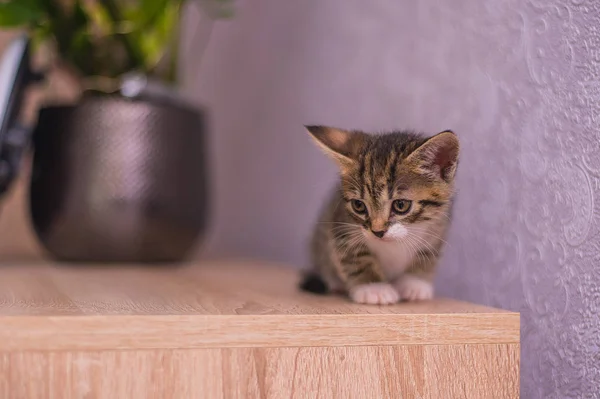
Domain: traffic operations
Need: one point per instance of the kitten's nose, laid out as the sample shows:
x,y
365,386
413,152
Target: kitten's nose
x,y
378,234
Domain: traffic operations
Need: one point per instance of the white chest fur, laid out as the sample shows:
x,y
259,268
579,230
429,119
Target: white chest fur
x,y
394,257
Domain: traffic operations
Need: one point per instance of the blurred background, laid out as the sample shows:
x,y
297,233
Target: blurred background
x,y
517,80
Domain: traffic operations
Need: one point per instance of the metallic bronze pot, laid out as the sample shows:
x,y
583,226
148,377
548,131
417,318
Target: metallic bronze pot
x,y
117,180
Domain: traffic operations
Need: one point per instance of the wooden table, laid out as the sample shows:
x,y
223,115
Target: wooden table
x,y
238,330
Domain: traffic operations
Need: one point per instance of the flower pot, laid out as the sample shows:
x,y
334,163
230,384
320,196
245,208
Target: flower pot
x,y
117,180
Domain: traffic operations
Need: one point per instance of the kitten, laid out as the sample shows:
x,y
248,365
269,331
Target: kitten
x,y
381,233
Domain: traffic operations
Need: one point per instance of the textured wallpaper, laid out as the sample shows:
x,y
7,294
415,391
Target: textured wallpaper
x,y
519,81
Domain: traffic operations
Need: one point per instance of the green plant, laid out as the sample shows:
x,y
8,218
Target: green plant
x,y
104,39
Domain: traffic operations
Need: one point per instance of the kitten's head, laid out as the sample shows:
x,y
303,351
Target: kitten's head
x,y
392,183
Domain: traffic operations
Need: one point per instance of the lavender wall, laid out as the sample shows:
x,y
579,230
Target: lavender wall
x,y
520,83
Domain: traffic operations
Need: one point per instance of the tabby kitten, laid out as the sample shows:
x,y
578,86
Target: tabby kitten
x,y
381,233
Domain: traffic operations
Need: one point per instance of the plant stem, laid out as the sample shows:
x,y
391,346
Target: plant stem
x,y
173,71
136,59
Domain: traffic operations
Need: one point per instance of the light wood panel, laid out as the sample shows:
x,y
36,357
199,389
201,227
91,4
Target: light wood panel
x,y
471,371
209,288
436,371
46,307
145,332
238,330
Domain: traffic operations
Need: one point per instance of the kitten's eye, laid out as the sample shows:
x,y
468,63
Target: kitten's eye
x,y
359,207
401,207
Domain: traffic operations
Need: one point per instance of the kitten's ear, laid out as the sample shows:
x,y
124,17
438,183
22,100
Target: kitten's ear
x,y
438,156
341,145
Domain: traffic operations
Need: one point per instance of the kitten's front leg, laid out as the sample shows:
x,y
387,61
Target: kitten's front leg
x,y
416,284
365,282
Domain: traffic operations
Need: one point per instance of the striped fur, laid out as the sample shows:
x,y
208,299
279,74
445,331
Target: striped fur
x,y
398,186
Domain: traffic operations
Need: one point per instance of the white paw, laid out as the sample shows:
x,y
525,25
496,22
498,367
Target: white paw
x,y
374,294
412,288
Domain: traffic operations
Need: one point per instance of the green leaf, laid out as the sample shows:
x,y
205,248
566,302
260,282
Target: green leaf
x,y
98,18
146,12
16,13
154,40
79,17
108,37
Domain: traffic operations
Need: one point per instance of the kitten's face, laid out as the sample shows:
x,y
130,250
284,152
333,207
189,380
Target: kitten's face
x,y
394,184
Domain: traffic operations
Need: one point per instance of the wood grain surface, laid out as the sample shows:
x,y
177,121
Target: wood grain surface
x,y
431,371
47,307
238,330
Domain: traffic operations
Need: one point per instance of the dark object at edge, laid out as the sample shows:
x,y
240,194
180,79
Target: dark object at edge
x,y
16,77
